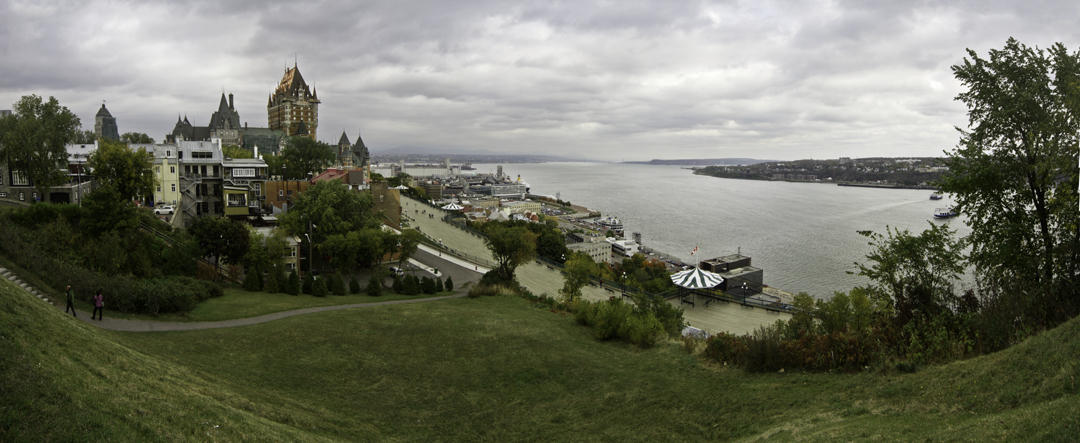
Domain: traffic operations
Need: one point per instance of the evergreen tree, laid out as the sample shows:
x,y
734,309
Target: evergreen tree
x,y
399,285
449,285
354,285
337,284
309,281
251,281
318,287
438,285
374,288
293,285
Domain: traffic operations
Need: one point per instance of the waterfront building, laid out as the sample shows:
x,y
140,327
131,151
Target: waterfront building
x,y
598,250
293,107
622,248
739,277
105,125
522,206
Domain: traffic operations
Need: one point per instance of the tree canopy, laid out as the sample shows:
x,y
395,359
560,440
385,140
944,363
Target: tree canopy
x,y
511,246
303,155
126,171
135,137
32,140
1014,172
222,238
233,151
331,208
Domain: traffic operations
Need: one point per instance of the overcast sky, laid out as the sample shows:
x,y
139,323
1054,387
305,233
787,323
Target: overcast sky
x,y
607,80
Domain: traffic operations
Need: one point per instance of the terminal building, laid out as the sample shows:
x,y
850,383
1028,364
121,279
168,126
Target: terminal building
x,y
739,277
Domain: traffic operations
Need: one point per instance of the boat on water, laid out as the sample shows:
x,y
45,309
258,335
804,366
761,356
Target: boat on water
x,y
611,223
935,196
945,212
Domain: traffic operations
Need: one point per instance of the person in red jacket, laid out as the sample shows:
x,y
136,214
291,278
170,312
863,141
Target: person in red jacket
x,y
99,303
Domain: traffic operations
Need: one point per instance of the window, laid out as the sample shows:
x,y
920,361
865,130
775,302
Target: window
x,y
280,192
174,187
19,179
258,188
172,169
157,169
22,196
158,188
237,200
168,153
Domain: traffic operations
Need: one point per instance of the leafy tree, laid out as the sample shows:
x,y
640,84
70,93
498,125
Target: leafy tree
x,y
1014,173
32,140
362,247
224,239
274,164
398,180
408,242
107,210
510,247
84,137
331,208
302,156
354,285
374,288
913,275
578,269
128,172
449,283
135,137
233,151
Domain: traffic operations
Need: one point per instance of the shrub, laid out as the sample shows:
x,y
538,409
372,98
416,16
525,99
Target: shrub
x,y
486,290
252,280
318,288
272,283
427,285
309,281
354,285
411,284
449,284
398,286
374,288
438,285
293,285
336,284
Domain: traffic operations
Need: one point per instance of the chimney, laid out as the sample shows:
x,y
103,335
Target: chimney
x,y
230,101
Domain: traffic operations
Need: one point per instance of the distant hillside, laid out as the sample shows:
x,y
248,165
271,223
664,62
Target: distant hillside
x,y
703,161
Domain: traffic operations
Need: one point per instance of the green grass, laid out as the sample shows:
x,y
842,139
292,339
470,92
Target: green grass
x,y
238,303
491,368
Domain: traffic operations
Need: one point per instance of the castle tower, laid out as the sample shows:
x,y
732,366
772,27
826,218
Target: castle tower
x,y
293,108
105,125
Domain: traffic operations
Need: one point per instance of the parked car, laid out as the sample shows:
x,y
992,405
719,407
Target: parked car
x,y
164,210
396,270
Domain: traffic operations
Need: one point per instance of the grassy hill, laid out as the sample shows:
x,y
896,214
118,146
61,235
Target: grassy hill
x,y
488,368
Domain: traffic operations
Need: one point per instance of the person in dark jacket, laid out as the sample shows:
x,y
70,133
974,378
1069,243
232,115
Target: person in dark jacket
x,y
70,301
99,303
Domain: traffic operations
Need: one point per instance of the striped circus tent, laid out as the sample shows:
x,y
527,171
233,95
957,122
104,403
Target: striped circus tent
x,y
452,207
696,279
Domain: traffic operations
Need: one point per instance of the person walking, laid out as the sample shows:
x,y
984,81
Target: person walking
x,y
99,303
70,301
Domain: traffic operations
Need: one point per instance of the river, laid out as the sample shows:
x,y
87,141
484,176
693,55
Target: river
x,y
804,235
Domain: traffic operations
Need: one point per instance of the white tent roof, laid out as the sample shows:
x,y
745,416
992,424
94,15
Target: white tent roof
x,y
400,187
696,279
453,207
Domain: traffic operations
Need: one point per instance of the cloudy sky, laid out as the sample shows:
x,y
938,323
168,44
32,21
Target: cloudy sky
x,y
607,80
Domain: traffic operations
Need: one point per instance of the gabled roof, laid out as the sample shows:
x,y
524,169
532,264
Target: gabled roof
x,y
224,105
292,83
344,141
103,112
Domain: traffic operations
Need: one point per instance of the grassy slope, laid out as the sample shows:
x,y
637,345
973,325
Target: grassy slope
x,y
63,380
491,368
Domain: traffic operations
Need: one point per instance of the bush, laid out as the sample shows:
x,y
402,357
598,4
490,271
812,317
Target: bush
x,y
615,319
318,288
449,284
411,285
336,284
398,286
272,282
374,288
354,285
427,285
292,287
309,281
486,290
252,280
438,285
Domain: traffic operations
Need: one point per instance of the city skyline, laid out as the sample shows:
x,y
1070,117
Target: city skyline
x,y
643,80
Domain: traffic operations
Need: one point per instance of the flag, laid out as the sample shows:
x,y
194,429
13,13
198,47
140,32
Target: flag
x,y
693,250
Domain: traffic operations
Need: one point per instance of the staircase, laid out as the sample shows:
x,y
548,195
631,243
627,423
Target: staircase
x,y
7,274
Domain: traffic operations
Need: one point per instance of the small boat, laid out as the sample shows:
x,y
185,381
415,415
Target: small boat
x,y
935,196
945,213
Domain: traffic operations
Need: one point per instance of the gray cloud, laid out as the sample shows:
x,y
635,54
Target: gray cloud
x,y
625,80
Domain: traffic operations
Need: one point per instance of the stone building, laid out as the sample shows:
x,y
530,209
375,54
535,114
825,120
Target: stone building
x,y
293,107
352,155
105,125
225,123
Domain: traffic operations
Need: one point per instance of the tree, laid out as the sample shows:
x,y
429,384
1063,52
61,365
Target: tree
x,y
913,275
374,288
331,208
85,137
318,288
354,285
32,140
135,137
233,151
449,283
510,247
293,286
578,270
224,239
408,242
302,156
128,172
1014,173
